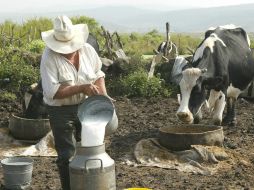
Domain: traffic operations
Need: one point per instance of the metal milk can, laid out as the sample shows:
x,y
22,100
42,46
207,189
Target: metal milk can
x,y
92,169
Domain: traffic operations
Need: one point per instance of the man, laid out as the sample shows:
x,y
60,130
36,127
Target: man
x,y
70,71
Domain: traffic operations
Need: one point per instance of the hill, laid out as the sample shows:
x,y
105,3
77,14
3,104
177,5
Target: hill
x,y
189,20
131,19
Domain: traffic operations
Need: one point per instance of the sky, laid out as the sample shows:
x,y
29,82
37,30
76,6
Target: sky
x,y
60,5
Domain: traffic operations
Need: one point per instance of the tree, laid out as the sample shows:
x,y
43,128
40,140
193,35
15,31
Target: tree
x,y
91,22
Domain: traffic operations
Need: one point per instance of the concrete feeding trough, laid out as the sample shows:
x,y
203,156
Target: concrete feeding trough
x,y
28,129
181,137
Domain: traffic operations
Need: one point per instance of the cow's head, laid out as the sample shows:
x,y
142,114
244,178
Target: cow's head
x,y
192,94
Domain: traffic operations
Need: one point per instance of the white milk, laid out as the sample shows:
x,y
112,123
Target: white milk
x,y
92,133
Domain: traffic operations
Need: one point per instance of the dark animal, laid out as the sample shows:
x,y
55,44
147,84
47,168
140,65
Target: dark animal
x,y
111,68
116,68
34,107
222,65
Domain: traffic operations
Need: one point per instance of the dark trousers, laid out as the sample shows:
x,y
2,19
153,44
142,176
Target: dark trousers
x,y
66,129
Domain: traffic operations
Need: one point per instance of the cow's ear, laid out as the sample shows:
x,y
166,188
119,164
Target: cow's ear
x,y
212,82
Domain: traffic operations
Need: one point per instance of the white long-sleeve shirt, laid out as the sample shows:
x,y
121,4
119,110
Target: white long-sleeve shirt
x,y
56,70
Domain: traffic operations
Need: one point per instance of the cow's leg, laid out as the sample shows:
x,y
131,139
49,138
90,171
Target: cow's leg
x,y
218,109
233,114
232,94
230,118
216,104
198,117
229,108
229,111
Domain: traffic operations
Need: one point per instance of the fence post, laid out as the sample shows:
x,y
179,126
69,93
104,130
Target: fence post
x,y
165,50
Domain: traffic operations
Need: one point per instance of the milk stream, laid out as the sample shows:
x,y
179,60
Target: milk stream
x,y
92,133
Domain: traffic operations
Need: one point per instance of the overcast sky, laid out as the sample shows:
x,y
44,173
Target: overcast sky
x,y
56,5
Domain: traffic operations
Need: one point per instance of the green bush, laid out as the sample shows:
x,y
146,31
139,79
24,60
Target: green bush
x,y
136,63
19,74
7,96
36,46
138,44
134,81
138,85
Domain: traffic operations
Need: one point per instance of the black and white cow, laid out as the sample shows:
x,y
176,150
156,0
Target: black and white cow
x,y
162,48
222,65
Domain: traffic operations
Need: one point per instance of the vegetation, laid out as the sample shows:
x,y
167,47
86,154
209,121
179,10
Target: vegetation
x,y
7,97
18,73
137,84
21,48
35,46
139,44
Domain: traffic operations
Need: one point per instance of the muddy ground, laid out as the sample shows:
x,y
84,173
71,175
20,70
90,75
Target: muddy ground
x,y
141,118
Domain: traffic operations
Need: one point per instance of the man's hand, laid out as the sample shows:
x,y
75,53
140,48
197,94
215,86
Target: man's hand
x,y
91,89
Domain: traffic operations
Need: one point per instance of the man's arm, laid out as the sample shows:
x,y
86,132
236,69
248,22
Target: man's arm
x,y
100,82
65,91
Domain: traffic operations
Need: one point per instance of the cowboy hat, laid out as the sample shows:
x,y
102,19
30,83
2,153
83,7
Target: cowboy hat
x,y
65,37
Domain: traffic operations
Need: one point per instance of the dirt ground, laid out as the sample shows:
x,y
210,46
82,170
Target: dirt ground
x,y
140,119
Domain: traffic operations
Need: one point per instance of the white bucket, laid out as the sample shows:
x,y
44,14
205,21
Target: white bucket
x,y
17,172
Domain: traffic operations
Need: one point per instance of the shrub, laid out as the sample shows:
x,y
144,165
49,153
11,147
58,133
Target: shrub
x,y
7,96
136,63
134,81
19,74
138,85
36,46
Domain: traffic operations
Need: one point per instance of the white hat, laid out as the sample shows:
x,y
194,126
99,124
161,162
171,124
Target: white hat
x,y
65,37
